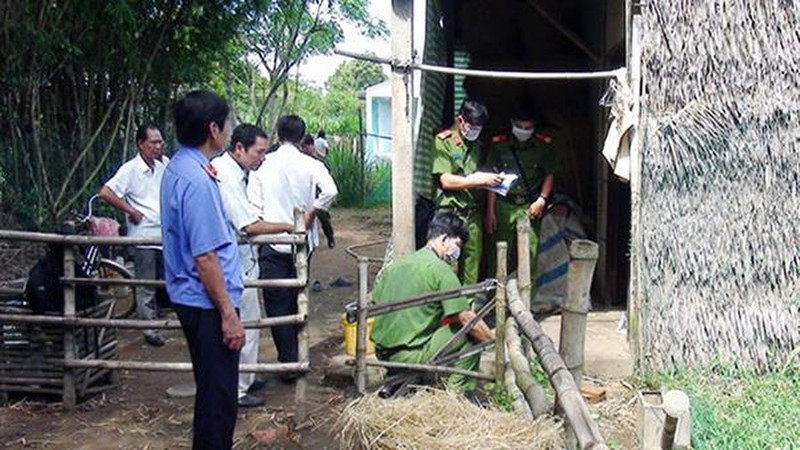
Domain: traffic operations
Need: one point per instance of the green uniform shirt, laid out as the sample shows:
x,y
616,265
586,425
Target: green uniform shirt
x,y
538,159
451,154
419,273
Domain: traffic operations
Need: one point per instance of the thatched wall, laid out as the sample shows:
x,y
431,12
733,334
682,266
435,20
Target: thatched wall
x,y
720,208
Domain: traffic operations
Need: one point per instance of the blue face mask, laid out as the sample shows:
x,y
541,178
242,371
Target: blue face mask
x,y
453,256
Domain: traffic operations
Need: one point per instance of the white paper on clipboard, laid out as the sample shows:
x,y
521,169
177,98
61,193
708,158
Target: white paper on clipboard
x,y
508,180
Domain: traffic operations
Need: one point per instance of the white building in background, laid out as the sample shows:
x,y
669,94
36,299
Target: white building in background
x,y
378,121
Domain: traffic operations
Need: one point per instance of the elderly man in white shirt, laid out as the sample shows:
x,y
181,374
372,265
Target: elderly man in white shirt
x,y
246,153
288,180
134,190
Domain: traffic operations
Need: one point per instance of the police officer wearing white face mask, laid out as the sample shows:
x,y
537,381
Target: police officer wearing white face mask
x,y
455,153
529,155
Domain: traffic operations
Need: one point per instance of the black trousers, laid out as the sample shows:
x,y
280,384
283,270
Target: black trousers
x,y
280,301
216,374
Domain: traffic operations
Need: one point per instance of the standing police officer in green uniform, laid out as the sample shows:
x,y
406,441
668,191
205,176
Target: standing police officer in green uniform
x,y
456,152
529,155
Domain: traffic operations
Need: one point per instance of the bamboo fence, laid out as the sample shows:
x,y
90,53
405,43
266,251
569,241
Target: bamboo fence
x,y
512,368
52,354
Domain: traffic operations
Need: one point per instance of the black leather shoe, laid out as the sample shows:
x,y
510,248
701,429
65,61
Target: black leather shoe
x,y
250,401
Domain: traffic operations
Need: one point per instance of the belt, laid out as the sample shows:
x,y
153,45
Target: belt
x,y
517,199
465,212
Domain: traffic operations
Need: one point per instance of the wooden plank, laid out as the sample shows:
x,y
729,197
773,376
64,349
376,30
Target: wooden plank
x,y
402,134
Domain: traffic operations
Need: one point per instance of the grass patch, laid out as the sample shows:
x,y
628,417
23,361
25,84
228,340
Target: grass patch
x,y
740,410
367,185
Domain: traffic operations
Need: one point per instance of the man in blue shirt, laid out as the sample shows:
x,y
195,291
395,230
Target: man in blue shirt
x,y
201,265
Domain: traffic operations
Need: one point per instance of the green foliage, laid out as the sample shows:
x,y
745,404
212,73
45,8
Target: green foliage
x,y
360,185
740,410
355,76
500,396
283,33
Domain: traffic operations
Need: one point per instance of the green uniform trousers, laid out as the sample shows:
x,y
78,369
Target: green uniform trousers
x,y
424,353
507,215
469,265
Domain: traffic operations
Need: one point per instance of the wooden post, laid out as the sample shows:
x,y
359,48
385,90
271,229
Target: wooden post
x,y
361,325
69,397
301,265
569,396
402,138
524,270
524,260
583,257
636,318
500,314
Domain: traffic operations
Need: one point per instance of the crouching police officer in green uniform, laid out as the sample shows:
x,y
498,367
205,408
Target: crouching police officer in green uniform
x,y
456,152
415,335
529,155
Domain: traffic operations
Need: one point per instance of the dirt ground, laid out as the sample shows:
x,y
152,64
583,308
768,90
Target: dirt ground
x,y
139,414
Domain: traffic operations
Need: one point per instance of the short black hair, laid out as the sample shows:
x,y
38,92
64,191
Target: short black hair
x,y
321,134
307,140
474,112
524,112
141,131
246,134
447,223
291,129
194,113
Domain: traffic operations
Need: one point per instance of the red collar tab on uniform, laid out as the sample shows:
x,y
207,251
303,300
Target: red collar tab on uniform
x,y
449,320
500,138
444,134
544,138
212,172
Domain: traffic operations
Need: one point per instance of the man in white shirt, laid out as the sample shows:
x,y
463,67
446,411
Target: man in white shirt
x,y
135,190
288,180
246,153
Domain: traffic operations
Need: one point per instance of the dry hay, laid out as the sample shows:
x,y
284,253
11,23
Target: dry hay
x,y
717,251
434,419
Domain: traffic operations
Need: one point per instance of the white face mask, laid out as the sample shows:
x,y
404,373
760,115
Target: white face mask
x,y
453,256
521,134
471,132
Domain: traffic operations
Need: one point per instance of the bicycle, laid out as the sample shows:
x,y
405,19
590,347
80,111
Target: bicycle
x,y
99,262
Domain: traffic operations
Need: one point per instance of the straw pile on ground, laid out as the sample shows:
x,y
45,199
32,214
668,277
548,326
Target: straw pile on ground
x,y
433,419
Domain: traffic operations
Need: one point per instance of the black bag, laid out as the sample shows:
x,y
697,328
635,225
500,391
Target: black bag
x,y
44,291
424,210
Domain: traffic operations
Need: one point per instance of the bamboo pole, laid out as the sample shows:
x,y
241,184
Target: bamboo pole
x,y
676,405
301,265
361,325
424,299
76,239
429,368
496,74
74,321
519,404
575,308
275,282
500,313
533,392
69,396
524,270
149,366
463,330
568,393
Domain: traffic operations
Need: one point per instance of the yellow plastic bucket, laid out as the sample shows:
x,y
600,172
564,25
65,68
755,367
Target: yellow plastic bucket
x,y
351,335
